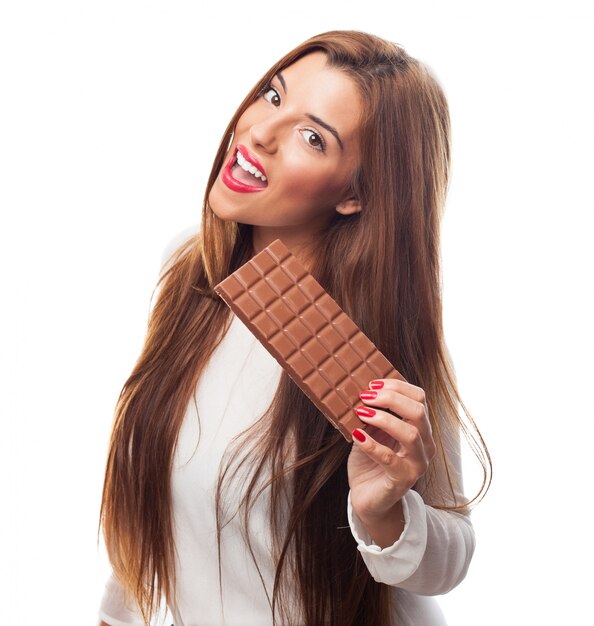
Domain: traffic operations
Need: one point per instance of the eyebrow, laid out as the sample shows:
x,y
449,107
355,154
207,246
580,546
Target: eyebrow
x,y
282,81
314,118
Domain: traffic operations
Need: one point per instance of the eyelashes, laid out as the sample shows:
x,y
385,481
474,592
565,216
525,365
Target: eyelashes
x,y
320,143
311,137
265,93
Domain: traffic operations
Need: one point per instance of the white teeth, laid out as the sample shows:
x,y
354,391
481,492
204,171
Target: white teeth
x,y
249,167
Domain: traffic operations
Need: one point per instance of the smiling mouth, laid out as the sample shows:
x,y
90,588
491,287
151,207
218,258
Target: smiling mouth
x,y
246,172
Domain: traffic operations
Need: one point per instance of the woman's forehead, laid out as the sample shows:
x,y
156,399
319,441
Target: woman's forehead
x,y
319,89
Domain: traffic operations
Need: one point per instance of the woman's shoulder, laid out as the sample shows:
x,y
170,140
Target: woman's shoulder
x,y
176,241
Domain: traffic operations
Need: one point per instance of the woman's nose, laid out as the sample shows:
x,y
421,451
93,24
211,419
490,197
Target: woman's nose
x,y
264,134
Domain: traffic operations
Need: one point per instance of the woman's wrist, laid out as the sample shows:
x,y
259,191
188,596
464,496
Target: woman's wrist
x,y
387,528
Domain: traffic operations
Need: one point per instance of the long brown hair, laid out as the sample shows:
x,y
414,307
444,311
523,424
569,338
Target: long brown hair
x,y
382,266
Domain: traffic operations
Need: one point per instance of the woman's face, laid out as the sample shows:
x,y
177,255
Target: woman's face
x,y
301,135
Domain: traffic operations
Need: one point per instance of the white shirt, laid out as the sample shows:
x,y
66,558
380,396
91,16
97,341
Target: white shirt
x,y
430,558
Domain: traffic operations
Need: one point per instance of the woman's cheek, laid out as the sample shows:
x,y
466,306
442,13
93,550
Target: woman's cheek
x,y
310,179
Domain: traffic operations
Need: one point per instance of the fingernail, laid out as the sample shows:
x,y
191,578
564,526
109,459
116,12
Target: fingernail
x,y
364,411
368,395
358,435
376,384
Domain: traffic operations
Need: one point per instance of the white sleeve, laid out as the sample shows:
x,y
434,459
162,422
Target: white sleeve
x,y
114,610
432,554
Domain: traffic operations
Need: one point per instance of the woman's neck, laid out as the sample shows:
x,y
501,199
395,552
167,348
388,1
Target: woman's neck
x,y
302,245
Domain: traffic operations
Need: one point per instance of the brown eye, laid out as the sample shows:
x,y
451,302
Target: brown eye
x,y
271,95
314,140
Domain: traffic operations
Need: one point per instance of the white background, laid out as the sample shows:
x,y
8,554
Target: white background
x,y
110,115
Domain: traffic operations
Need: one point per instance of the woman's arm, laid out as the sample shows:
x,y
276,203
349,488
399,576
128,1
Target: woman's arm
x,y
432,554
418,547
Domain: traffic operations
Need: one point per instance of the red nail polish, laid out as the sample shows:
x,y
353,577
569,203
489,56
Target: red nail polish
x,y
368,395
364,411
376,384
358,434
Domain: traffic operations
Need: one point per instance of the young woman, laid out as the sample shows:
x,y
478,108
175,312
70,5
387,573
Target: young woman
x,y
226,492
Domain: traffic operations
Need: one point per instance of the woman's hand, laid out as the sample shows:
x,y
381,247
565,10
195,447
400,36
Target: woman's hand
x,y
392,455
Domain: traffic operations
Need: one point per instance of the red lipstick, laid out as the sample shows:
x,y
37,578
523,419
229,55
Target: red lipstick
x,y
238,185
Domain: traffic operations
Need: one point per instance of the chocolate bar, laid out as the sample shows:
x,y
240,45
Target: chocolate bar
x,y
306,331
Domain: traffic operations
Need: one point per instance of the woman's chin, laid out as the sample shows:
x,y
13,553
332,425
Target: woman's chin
x,y
217,205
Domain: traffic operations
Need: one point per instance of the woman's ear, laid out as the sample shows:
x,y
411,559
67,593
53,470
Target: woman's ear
x,y
348,207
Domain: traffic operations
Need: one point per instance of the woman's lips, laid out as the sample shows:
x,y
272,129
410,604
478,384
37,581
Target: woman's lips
x,y
233,167
248,156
